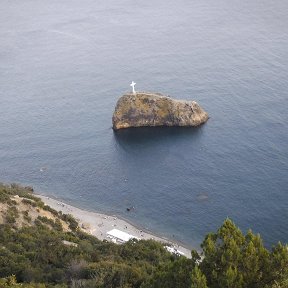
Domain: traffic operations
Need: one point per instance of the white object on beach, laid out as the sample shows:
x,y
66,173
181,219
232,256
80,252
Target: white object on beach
x,y
133,88
173,250
120,236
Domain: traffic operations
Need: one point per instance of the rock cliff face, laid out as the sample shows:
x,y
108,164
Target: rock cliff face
x,y
153,109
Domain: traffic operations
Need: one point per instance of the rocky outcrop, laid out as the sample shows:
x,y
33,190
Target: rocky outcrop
x,y
153,109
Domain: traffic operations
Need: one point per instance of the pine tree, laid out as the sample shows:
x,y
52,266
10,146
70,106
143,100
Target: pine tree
x,y
198,278
234,260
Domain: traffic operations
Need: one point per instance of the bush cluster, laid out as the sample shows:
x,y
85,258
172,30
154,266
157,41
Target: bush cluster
x,y
37,254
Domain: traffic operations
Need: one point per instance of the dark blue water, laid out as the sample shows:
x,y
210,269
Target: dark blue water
x,y
63,65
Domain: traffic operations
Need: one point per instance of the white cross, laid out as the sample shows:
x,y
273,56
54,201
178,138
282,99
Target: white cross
x,y
132,85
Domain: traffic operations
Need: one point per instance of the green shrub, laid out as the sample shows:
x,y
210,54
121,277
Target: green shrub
x,y
29,202
11,215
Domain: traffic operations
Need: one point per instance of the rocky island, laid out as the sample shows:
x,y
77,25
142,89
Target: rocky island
x,y
154,109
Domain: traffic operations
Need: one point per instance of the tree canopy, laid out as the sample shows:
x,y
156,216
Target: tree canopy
x,y
36,256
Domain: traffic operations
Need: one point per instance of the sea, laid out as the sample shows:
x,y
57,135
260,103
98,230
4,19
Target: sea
x,y
65,63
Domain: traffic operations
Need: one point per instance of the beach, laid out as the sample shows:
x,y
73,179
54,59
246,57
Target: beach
x,y
98,224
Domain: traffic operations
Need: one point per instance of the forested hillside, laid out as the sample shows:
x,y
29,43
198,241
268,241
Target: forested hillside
x,y
45,248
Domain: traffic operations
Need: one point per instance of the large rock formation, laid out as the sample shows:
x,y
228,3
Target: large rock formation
x,y
153,109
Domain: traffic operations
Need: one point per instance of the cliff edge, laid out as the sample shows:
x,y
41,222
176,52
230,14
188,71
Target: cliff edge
x,y
154,109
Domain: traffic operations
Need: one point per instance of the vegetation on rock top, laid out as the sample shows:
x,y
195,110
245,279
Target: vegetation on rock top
x,y
154,109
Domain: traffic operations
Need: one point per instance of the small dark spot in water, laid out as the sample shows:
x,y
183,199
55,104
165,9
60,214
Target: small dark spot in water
x,y
130,208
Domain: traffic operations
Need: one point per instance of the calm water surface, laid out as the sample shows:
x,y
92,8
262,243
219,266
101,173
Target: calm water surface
x,y
63,65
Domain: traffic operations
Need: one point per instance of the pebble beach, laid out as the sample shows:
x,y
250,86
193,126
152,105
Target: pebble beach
x,y
98,224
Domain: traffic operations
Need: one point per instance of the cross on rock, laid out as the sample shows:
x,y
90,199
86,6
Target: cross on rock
x,y
132,85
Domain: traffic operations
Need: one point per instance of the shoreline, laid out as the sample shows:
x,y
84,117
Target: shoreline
x,y
98,224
